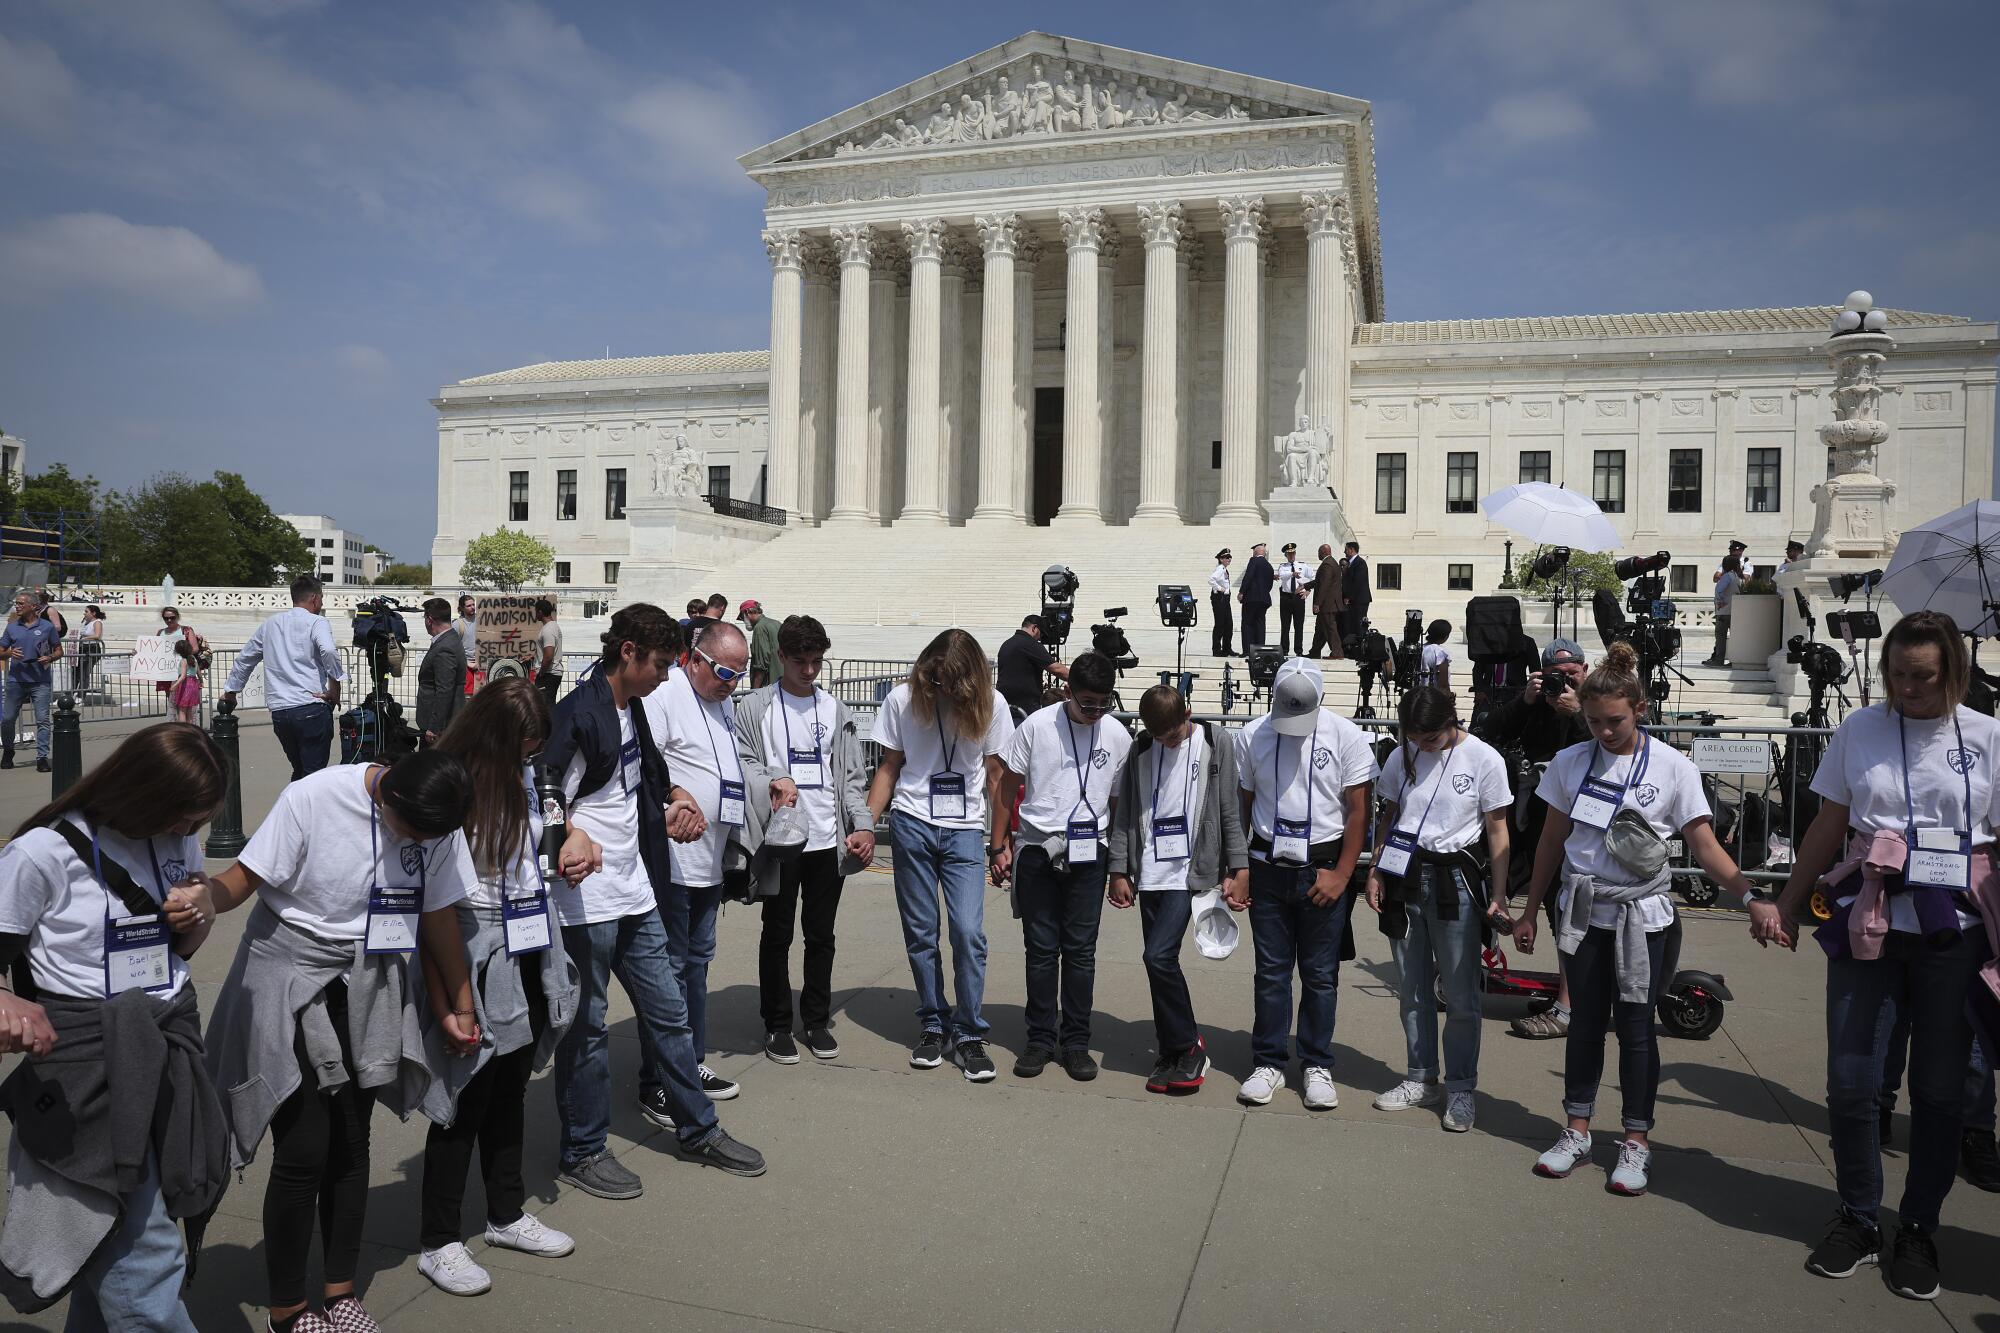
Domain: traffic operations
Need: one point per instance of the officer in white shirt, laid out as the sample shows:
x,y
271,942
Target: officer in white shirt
x,y
1064,761
1305,775
302,675
1222,619
1295,579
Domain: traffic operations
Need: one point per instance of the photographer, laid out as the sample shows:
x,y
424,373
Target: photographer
x,y
1021,662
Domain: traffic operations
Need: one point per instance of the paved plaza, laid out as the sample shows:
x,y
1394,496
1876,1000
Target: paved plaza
x,y
900,1199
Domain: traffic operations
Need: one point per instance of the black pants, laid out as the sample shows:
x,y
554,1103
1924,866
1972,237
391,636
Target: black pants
x,y
548,682
1326,632
1253,624
490,1111
306,733
88,654
1292,623
808,889
1594,1009
1060,911
1222,624
319,1168
1163,916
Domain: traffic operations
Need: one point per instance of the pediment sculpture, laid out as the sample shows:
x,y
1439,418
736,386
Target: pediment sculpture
x,y
1302,455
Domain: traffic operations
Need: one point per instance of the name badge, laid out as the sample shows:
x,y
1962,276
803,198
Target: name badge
x,y
135,954
1596,803
392,919
732,809
808,769
1082,841
1942,859
1291,842
1170,838
527,921
628,764
1394,858
947,796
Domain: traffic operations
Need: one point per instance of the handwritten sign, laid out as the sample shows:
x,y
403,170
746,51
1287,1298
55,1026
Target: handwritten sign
x,y
1714,754
153,658
507,628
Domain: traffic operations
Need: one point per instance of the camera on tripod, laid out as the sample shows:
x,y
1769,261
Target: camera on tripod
x,y
1059,589
1821,662
1653,636
1109,640
1177,605
1649,588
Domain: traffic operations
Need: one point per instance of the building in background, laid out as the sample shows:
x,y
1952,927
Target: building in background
x,y
13,458
372,565
336,550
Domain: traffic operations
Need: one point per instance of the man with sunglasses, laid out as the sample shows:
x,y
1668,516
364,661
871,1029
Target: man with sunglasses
x,y
694,720
1064,763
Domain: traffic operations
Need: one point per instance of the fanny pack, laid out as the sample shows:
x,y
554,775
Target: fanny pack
x,y
1634,846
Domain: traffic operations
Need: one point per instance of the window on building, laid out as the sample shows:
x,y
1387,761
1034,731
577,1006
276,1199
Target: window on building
x,y
517,497
1461,484
1389,577
1458,578
562,571
718,482
763,483
1215,456
1761,482
326,543
566,494
611,571
1681,579
327,561
1684,481
1535,465
1392,483
614,492
1607,480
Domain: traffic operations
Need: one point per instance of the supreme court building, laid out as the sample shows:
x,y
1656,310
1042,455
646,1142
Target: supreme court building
x,y
1061,284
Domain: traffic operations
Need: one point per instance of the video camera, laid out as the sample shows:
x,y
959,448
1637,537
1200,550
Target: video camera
x,y
1375,654
1059,588
1653,636
1177,605
1821,662
1110,640
380,630
1649,588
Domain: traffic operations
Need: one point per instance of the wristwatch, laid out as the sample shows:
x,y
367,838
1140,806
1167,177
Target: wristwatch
x,y
993,853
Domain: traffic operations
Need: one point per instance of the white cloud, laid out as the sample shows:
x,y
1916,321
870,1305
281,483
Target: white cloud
x,y
361,361
106,255
37,91
695,130
1535,120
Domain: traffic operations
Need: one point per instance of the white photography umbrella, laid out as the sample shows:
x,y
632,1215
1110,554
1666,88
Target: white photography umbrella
x,y
1952,564
1551,516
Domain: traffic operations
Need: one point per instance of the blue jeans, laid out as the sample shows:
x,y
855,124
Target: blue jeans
x,y
1291,931
306,733
1865,1000
1431,948
37,695
1980,1102
1594,1009
1060,914
134,1279
635,949
926,859
689,916
1164,915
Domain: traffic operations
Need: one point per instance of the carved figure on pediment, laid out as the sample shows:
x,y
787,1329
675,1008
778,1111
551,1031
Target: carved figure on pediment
x,y
1302,455
1175,110
658,456
943,126
972,127
907,134
1145,108
895,137
1003,111
1110,107
1089,106
686,479
1038,104
843,149
1231,111
1069,104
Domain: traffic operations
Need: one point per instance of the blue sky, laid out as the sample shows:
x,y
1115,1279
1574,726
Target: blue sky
x,y
260,234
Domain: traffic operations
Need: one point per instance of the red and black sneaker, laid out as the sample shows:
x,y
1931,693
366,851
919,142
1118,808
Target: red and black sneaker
x,y
1181,1075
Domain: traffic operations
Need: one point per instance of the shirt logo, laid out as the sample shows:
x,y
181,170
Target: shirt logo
x,y
1647,793
819,733
174,871
413,859
1462,783
1961,761
1322,757
1099,758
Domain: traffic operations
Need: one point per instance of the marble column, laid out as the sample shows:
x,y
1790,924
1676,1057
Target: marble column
x,y
1027,258
1083,232
1242,235
787,280
1327,331
816,382
1159,380
856,246
954,435
997,463
884,470
922,452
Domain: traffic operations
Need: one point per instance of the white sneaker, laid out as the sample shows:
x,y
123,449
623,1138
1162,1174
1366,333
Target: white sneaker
x,y
530,1235
1257,1089
1320,1094
453,1269
1629,1176
1458,1112
1562,1159
1407,1094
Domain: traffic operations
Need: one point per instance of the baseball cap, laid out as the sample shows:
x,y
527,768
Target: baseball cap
x,y
749,604
1562,650
1295,697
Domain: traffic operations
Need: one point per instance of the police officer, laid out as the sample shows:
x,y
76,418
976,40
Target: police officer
x,y
1221,618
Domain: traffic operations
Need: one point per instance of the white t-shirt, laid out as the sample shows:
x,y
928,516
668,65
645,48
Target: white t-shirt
x,y
929,748
1048,749
806,723
1457,787
1668,797
313,852
1336,755
610,815
698,738
1436,659
1174,784
53,897
1862,769
521,873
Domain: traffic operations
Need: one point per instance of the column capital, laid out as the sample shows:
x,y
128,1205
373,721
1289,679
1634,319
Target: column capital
x,y
958,254
854,244
1109,245
892,265
1325,213
1083,228
1192,253
1242,217
819,259
1161,223
924,238
999,233
786,247
1028,250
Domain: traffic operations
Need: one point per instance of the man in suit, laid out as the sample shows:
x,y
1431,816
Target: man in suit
x,y
1222,622
441,678
1326,604
1355,594
1255,594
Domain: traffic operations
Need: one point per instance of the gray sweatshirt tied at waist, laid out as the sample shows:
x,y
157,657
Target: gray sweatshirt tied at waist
x,y
500,1002
1635,965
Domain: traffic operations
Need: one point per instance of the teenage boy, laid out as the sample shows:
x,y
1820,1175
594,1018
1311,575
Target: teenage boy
x,y
1177,830
802,744
601,757
1063,762
1305,775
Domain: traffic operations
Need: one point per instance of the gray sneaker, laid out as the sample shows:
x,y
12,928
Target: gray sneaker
x,y
603,1176
726,1154
1542,1026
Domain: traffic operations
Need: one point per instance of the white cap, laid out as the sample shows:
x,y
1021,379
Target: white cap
x,y
1215,930
1295,698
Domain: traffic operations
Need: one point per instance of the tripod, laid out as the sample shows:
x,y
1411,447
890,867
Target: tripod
x,y
1562,588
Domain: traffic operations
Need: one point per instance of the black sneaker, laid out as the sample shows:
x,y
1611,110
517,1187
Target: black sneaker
x,y
971,1057
726,1154
1033,1061
718,1088
7,759
1162,1072
653,1105
1850,1245
603,1176
779,1046
1913,1265
1076,1062
821,1043
928,1052
1980,1160
41,765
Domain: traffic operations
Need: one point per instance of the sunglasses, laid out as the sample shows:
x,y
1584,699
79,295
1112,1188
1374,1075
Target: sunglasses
x,y
722,673
1095,710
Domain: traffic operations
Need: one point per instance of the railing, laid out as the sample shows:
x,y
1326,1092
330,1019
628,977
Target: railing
x,y
730,507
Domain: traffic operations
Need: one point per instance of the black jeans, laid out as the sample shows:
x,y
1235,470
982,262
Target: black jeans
x,y
814,881
1594,1007
1222,624
490,1111
1292,623
319,1167
1163,916
1060,910
548,682
306,733
1253,625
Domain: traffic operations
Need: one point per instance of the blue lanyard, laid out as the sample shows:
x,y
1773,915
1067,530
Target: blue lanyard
x,y
1305,764
159,881
785,710
375,847
1443,773
1632,777
950,751
1159,765
1909,801
708,730
1082,782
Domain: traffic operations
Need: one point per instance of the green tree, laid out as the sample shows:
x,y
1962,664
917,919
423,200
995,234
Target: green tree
x,y
505,560
1592,570
55,488
403,574
172,525
10,495
271,548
